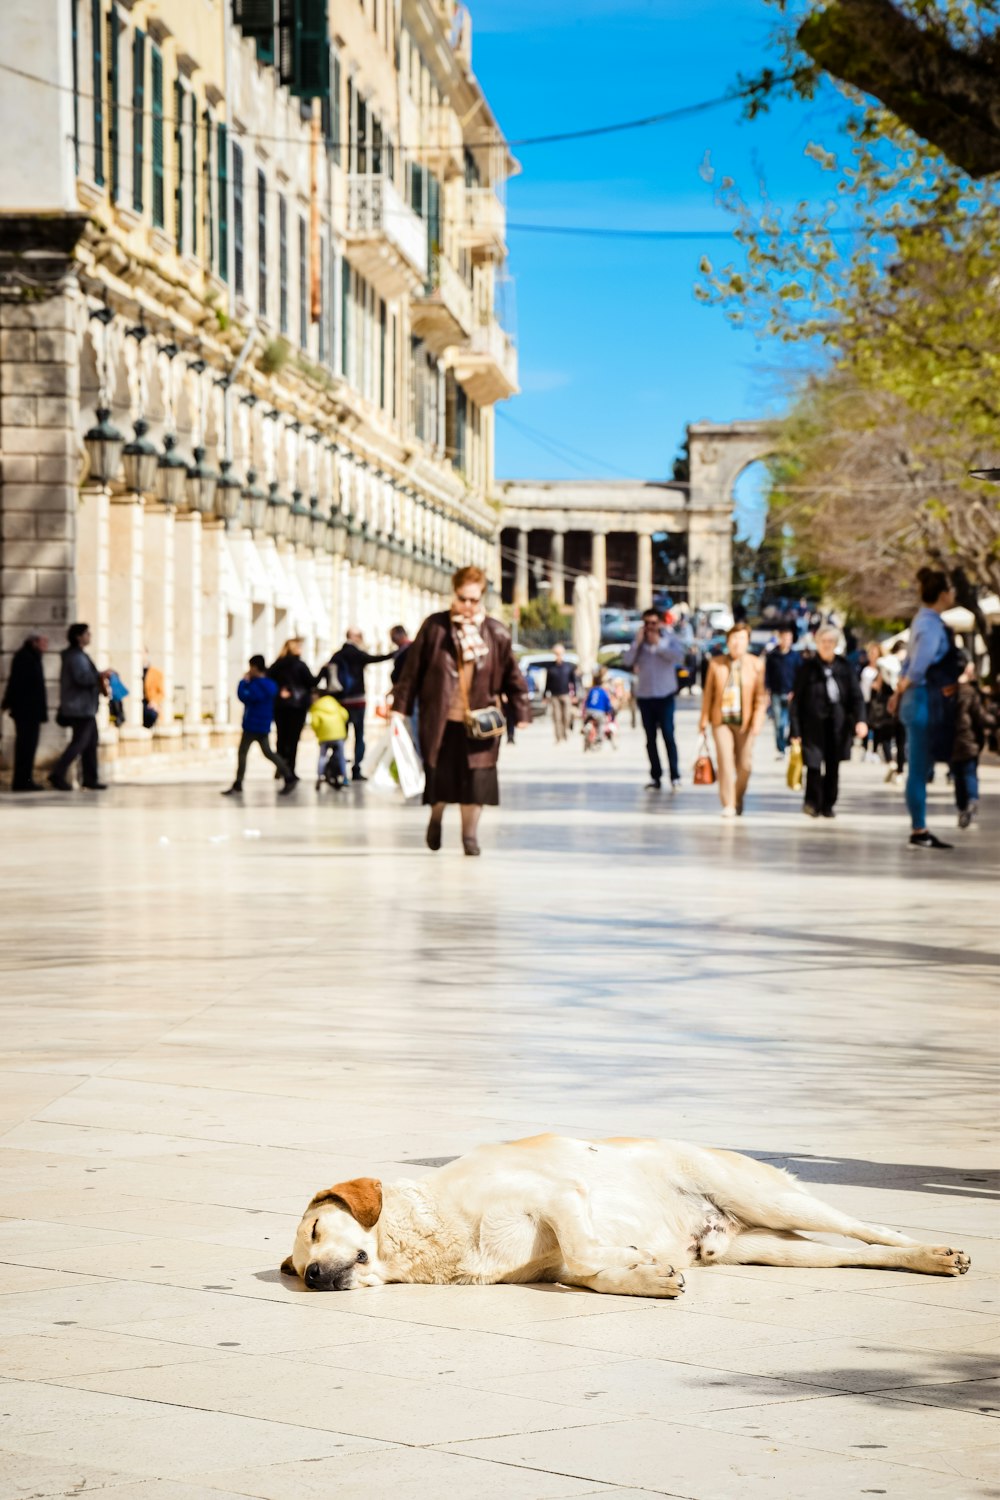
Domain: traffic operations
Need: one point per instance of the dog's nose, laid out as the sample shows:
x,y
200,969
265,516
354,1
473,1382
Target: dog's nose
x,y
314,1273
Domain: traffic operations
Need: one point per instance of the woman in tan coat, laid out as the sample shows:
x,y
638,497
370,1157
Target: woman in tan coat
x,y
734,702
460,639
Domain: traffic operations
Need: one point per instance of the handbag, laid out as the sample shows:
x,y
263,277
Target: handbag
x,y
794,773
480,723
704,770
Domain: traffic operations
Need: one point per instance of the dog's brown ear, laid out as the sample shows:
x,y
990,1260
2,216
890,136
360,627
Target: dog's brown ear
x,y
288,1267
362,1197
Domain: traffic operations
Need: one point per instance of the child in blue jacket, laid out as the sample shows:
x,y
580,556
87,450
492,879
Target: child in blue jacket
x,y
257,693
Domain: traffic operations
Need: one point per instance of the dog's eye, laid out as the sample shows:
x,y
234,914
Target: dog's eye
x,y
315,1233
362,1257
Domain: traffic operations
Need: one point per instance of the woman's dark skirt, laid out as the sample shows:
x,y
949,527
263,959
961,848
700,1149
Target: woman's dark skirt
x,y
454,780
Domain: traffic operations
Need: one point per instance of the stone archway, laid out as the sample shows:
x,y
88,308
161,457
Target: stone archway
x,y
719,452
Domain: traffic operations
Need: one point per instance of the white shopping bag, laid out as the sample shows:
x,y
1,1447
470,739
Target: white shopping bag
x,y
407,758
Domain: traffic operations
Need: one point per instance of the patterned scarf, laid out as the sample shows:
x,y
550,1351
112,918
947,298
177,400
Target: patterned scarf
x,y
471,645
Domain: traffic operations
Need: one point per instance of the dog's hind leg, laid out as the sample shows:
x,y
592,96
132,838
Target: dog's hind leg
x,y
761,1247
770,1199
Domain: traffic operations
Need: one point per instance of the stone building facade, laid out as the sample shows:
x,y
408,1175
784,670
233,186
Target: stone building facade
x,y
269,261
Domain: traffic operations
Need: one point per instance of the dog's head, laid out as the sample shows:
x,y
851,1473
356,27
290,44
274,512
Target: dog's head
x,y
336,1247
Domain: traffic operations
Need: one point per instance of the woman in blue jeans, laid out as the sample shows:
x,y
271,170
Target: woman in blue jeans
x,y
928,643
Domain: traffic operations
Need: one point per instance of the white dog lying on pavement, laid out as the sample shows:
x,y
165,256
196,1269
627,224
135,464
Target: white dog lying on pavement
x,y
622,1215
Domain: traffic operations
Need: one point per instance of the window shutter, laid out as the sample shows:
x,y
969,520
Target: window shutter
x,y
331,303
179,165
76,86
303,284
323,356
238,219
304,48
345,319
261,243
193,130
156,80
222,148
114,30
433,217
208,210
336,117
97,75
254,17
138,117
282,264
381,354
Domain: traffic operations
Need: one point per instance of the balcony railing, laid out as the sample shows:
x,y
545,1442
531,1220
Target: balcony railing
x,y
385,238
441,313
484,231
487,365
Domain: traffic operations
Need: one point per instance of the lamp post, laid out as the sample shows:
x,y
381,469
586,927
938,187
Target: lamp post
x,y
301,527
228,493
201,482
171,473
255,504
141,461
104,444
279,513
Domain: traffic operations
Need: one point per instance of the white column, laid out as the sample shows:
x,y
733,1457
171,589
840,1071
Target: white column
x,y
125,607
599,563
521,589
93,564
158,608
187,626
217,691
558,568
644,570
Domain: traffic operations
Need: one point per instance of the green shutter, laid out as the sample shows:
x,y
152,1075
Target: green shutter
x,y
255,18
433,218
179,164
282,264
113,132
304,48
194,173
138,117
303,285
335,108
97,76
261,243
156,69
237,220
208,217
222,147
345,318
76,85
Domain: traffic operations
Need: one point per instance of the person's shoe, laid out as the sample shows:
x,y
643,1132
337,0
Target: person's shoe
x,y
34,786
728,812
291,782
828,812
973,807
319,783
337,784
471,846
739,809
652,786
358,776
232,791
434,834
891,775
277,775
927,840
676,784
965,817
780,755
809,810
95,786
60,783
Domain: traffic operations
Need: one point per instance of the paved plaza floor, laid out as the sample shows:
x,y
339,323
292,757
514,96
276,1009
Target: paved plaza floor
x,y
209,1011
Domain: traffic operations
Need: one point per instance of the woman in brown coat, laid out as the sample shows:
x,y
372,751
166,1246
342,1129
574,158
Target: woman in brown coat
x,y
459,768
734,702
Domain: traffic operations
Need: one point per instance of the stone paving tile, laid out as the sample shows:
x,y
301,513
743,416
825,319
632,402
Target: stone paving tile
x,y
25,1476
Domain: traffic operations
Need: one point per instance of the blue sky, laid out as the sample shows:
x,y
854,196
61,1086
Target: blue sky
x,y
615,353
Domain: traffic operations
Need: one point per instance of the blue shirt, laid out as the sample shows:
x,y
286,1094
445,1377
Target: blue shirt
x,y
598,701
927,644
780,668
257,696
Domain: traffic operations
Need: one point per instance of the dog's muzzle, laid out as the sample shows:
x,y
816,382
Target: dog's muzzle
x,y
319,1278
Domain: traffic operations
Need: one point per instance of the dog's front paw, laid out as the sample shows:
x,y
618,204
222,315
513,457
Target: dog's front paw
x,y
939,1260
661,1279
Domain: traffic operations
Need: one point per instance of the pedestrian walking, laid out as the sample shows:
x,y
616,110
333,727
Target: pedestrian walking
x,y
918,699
81,687
348,666
400,638
972,720
780,667
561,690
459,668
654,656
26,700
734,702
826,712
295,684
117,693
328,721
257,692
153,693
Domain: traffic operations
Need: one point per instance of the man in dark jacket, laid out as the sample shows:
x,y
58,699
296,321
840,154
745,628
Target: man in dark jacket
x,y
27,703
827,711
80,688
780,667
349,664
561,687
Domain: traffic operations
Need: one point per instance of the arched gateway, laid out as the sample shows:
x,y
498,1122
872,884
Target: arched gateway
x,y
635,536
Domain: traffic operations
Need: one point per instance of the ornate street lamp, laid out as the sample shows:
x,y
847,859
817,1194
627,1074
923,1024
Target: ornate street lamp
x,y
383,554
104,444
355,541
301,529
336,534
141,461
317,525
228,493
279,513
255,504
171,473
369,548
201,482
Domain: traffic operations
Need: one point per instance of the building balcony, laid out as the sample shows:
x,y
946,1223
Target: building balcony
x,y
444,145
484,231
486,368
441,313
386,241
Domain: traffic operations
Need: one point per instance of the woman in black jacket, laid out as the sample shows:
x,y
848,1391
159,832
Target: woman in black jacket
x,y
27,703
827,711
295,685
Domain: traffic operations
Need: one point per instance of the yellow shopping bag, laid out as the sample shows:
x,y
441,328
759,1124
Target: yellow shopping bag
x,y
794,776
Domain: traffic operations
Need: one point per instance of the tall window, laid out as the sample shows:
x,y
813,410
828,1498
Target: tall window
x,y
261,242
323,356
179,164
159,192
76,86
238,219
381,353
303,283
282,264
193,139
208,189
222,150
114,142
138,117
97,87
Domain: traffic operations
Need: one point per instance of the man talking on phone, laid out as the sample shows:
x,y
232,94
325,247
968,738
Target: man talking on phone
x,y
654,656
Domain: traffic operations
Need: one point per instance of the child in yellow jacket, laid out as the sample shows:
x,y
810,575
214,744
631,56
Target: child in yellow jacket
x,y
328,719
